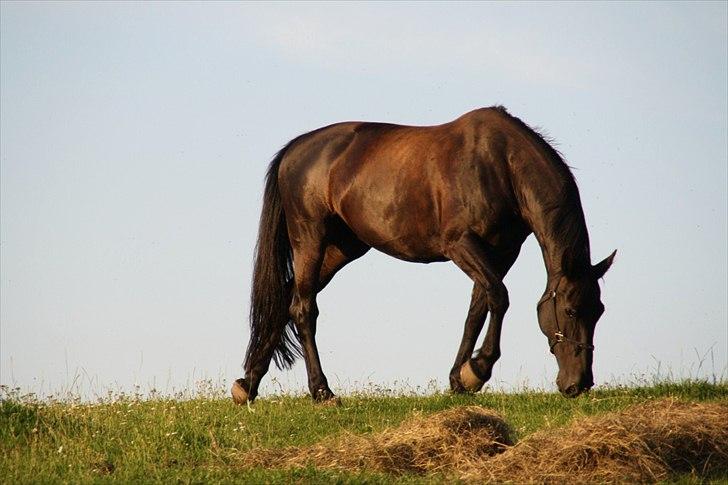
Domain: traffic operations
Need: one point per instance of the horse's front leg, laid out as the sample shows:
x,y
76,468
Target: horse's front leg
x,y
468,254
477,371
473,325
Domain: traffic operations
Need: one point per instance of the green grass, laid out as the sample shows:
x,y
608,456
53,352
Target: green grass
x,y
199,440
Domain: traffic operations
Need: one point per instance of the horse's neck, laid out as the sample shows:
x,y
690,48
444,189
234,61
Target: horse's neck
x,y
556,218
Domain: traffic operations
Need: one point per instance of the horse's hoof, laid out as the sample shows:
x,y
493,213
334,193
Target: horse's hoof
x,y
456,387
332,401
325,397
240,395
470,381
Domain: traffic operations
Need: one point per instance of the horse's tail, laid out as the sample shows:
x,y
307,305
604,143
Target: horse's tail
x,y
271,328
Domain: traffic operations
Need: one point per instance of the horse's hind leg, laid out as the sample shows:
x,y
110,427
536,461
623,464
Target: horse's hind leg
x,y
246,389
308,256
314,264
342,247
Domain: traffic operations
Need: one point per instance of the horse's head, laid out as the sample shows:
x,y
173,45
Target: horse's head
x,y
568,314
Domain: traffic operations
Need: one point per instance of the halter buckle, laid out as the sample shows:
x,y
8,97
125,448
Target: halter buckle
x,y
558,338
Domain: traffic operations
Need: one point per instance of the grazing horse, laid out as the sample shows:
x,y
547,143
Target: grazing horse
x,y
469,191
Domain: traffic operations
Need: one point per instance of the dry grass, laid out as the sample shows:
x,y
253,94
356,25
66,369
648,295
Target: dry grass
x,y
644,443
421,444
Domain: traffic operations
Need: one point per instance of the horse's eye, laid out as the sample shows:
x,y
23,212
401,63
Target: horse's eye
x,y
571,312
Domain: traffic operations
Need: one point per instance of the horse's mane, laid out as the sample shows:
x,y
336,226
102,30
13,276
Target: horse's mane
x,y
569,225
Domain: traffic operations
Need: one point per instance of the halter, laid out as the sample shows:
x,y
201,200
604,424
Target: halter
x,y
559,335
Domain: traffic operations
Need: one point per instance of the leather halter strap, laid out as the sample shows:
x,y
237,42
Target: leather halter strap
x,y
559,336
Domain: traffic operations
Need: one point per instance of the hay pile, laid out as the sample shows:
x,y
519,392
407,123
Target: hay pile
x,y
644,443
421,444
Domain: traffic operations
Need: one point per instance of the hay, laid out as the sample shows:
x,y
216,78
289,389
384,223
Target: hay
x,y
421,444
644,443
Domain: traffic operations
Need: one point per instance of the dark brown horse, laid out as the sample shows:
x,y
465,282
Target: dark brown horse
x,y
469,191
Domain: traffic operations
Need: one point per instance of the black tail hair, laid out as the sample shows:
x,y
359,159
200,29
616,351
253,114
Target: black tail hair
x,y
270,324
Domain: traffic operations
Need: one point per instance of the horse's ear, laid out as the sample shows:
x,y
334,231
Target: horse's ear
x,y
601,267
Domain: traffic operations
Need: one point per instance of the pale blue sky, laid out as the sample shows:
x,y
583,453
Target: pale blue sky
x,y
134,139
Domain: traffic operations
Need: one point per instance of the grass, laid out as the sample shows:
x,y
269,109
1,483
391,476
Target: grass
x,y
127,439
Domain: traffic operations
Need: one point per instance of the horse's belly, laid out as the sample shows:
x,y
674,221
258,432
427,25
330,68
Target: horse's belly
x,y
402,240
409,252
400,226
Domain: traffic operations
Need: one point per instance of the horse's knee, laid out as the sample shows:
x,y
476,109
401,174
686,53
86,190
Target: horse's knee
x,y
498,301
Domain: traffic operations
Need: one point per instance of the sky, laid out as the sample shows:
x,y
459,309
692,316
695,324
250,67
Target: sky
x,y
134,138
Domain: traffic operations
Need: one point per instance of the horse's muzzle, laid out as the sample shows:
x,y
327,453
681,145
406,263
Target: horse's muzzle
x,y
576,389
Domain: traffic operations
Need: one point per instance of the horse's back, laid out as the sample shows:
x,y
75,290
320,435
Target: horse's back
x,y
399,188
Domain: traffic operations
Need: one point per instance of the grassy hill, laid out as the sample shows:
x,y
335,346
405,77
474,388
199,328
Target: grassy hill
x,y
199,440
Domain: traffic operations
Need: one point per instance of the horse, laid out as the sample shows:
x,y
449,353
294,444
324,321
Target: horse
x,y
468,191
